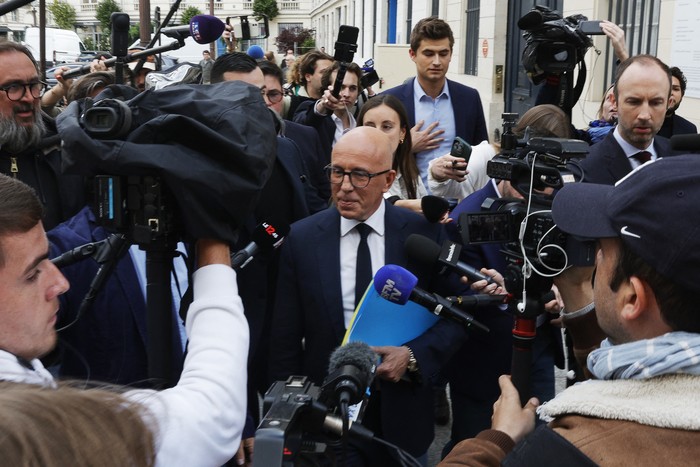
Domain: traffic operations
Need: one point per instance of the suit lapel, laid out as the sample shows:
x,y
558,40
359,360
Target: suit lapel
x,y
619,165
407,99
326,246
395,231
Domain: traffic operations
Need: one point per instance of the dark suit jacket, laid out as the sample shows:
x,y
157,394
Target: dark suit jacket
x,y
309,307
607,163
324,125
470,124
676,125
108,343
314,156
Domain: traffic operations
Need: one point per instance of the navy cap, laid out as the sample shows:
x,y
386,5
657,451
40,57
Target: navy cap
x,y
654,210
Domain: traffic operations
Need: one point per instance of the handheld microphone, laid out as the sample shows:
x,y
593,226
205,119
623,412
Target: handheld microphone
x,y
473,301
427,252
434,207
398,285
266,237
204,29
350,371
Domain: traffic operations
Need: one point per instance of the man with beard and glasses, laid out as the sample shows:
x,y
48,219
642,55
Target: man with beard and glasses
x,y
29,145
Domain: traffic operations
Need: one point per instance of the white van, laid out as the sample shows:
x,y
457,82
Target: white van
x,y
62,46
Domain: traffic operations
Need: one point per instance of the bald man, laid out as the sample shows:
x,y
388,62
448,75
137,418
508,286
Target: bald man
x,y
317,283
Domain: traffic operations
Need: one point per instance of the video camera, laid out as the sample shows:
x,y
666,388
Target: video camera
x,y
534,247
345,48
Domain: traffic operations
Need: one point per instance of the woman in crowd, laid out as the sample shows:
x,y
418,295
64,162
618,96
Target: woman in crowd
x,y
388,114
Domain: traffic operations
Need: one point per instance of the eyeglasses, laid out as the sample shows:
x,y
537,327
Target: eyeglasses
x,y
273,96
358,178
16,91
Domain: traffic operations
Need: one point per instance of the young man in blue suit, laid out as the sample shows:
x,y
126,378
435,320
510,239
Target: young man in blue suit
x,y
316,294
438,109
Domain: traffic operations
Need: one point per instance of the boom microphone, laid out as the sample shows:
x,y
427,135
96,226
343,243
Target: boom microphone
x,y
434,207
398,285
12,5
204,29
350,371
427,252
266,237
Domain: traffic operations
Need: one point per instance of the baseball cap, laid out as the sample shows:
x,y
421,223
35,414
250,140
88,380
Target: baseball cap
x,y
654,210
256,52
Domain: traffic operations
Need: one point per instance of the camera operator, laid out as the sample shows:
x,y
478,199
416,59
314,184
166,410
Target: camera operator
x,y
644,300
485,358
188,422
641,92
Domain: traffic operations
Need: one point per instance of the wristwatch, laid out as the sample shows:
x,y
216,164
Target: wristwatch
x,y
412,362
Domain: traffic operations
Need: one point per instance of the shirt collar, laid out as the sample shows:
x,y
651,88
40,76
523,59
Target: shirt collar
x,y
628,148
419,93
376,221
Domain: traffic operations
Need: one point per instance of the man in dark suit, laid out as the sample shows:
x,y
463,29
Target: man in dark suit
x,y
642,90
448,109
317,293
674,124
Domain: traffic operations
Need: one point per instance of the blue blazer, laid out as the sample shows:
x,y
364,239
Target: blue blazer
x,y
470,124
309,307
108,343
314,157
607,163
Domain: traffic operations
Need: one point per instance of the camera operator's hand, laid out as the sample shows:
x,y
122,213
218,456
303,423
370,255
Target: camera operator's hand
x,y
448,166
98,65
575,287
617,39
497,287
54,95
394,362
508,415
425,139
328,103
229,38
244,456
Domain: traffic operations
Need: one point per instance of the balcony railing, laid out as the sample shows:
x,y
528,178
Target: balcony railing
x,y
289,5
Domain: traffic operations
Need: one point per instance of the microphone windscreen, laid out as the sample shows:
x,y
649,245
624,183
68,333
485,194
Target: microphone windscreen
x,y
394,283
690,142
357,354
531,20
268,236
206,28
434,207
256,52
422,249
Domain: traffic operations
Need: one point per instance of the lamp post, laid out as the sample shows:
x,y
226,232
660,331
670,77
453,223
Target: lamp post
x,y
33,10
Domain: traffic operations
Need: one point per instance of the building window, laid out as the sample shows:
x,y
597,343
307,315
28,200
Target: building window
x,y
640,21
292,27
435,8
471,49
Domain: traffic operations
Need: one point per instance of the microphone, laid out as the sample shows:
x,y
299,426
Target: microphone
x,y
690,142
398,285
472,301
350,371
78,253
434,207
204,29
266,237
12,5
427,252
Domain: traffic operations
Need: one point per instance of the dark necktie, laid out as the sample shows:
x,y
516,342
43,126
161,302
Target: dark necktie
x,y
642,156
363,267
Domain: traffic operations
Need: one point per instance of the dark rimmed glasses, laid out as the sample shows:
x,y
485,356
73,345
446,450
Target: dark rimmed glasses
x,y
273,96
358,178
16,91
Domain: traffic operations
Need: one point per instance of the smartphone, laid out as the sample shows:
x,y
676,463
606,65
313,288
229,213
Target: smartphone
x,y
345,48
460,148
590,28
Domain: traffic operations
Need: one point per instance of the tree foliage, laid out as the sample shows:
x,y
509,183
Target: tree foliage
x,y
189,13
104,11
301,36
265,7
63,14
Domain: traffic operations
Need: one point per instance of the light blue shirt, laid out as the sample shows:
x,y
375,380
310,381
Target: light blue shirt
x,y
434,110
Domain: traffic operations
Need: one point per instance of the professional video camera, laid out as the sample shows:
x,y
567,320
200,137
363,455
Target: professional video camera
x,y
534,247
